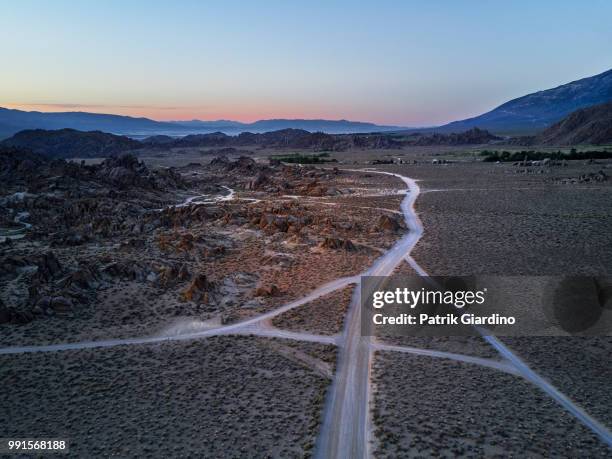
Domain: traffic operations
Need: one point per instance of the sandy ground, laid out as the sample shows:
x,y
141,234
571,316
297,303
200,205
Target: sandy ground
x,y
581,367
487,219
221,397
324,316
454,409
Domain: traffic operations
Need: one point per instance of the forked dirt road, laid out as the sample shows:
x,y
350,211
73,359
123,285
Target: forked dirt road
x,y
345,432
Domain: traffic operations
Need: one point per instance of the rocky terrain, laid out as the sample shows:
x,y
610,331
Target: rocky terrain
x,y
116,248
120,249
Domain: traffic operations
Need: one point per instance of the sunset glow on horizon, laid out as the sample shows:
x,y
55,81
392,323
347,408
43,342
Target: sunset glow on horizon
x,y
187,113
411,63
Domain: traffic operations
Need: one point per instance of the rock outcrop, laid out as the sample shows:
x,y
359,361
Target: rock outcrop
x,y
199,289
334,243
267,290
390,223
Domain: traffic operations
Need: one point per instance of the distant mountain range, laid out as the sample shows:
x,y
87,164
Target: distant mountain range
x,y
13,121
592,125
534,112
529,114
261,126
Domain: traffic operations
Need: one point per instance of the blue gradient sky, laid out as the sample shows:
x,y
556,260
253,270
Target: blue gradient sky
x,y
395,62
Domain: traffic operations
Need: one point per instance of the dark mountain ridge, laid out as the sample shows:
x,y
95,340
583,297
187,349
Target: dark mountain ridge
x,y
586,126
535,112
70,143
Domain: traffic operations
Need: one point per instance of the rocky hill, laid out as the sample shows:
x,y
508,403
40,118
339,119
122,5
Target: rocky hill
x,y
70,143
587,126
319,141
537,111
290,138
592,126
35,173
474,136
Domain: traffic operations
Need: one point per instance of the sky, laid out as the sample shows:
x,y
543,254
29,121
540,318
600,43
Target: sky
x,y
406,63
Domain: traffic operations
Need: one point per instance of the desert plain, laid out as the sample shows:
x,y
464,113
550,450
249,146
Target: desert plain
x,y
202,303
